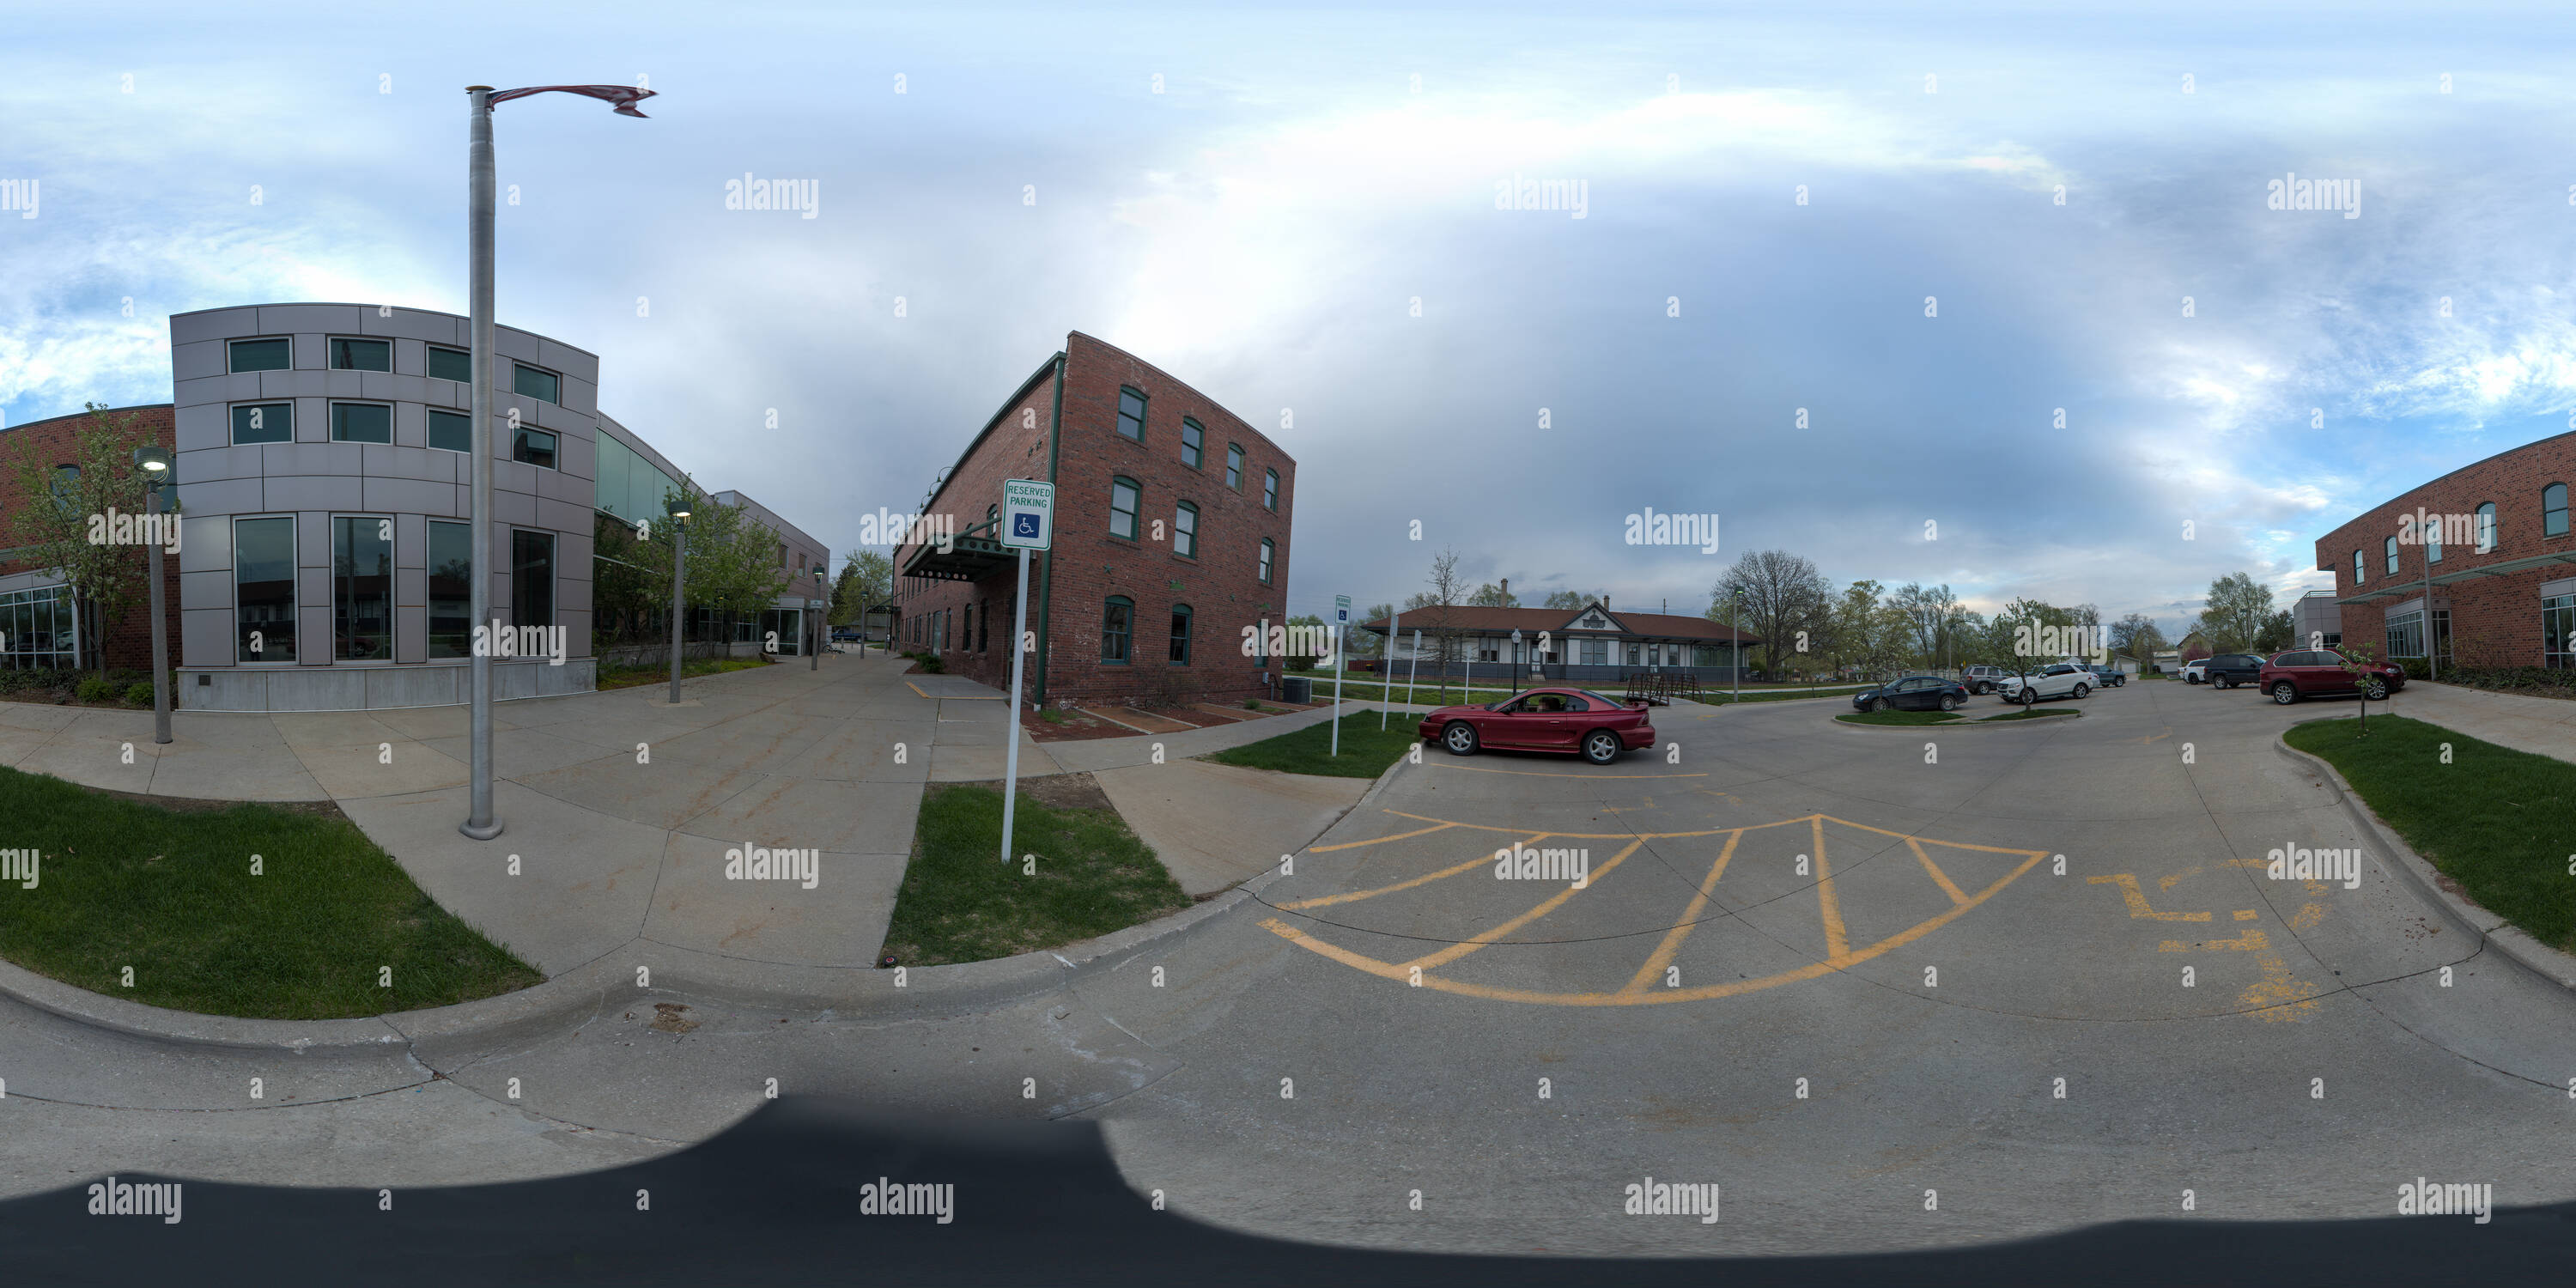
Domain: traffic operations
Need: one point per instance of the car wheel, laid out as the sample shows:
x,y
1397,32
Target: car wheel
x,y
1877,705
2376,690
2029,696
1949,702
1600,746
2082,689
1459,738
2222,682
2285,692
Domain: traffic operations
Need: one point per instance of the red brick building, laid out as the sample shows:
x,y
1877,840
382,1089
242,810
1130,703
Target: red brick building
x,y
36,617
2477,566
1171,536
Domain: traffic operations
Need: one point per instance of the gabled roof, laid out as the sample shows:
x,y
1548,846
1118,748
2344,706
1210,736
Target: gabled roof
x,y
1469,619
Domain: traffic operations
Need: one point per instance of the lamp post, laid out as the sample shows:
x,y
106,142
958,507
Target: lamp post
x,y
817,616
155,464
679,512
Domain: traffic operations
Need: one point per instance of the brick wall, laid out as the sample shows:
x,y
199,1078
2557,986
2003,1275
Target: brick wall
x,y
2494,620
52,442
1221,585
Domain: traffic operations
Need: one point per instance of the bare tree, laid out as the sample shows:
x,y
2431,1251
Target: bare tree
x,y
1439,603
1775,595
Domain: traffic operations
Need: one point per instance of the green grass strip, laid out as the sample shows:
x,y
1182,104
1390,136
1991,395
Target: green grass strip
x,y
1366,752
961,903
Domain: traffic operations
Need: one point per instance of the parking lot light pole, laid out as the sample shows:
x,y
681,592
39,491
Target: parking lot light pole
x,y
819,627
155,464
679,511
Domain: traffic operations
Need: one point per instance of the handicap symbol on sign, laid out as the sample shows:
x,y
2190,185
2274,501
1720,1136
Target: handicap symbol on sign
x,y
1024,525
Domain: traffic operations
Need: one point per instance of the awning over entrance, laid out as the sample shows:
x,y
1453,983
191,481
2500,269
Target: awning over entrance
x,y
2415,585
968,559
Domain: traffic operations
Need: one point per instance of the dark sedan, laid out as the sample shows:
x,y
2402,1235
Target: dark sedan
x,y
1576,721
1913,693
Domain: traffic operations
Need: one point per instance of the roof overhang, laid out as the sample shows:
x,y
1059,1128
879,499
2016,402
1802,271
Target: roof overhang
x,y
2506,569
965,559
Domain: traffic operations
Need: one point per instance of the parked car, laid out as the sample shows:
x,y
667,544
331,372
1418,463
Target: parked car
x,y
845,634
2227,670
1983,679
2111,677
1912,693
2195,670
1574,721
2055,680
2304,673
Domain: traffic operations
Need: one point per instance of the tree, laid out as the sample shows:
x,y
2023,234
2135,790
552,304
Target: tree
x,y
2136,636
2278,633
1780,595
1570,600
866,581
2237,609
1438,604
1314,628
1360,643
1930,617
733,562
106,579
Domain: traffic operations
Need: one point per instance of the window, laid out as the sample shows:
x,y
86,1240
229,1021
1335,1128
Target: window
x,y
263,423
2406,634
451,364
1131,414
2433,539
1123,494
2390,546
261,355
534,446
264,590
1185,530
2553,510
1116,620
1234,467
1270,489
362,588
1180,635
1267,550
984,639
1594,652
1193,440
537,383
2558,632
40,628
2360,568
362,423
451,588
451,431
532,578
2486,528
967,640
361,355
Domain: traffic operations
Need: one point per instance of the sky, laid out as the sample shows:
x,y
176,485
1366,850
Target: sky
x,y
2046,336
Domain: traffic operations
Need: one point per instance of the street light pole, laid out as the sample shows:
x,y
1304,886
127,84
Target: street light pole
x,y
155,462
816,616
479,822
679,511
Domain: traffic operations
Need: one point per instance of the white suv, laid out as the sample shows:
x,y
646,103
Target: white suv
x,y
2195,670
2056,680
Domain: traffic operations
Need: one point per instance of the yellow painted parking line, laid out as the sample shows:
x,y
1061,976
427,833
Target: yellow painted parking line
x,y
1355,896
1939,877
2254,941
1378,840
1672,944
1828,905
1663,836
1455,951
2137,900
1541,773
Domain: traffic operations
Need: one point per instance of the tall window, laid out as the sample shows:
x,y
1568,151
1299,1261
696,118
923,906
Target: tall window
x,y
263,423
1266,551
2433,539
1234,467
451,431
532,578
966,640
536,382
362,423
1181,634
362,588
361,355
1117,621
534,446
1270,489
451,364
1185,530
984,638
264,590
451,589
2360,568
2391,547
2553,510
2406,634
1123,494
2487,528
2558,632
1131,414
1193,442
260,355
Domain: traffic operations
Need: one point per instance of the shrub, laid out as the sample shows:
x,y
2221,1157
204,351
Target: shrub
x,y
2416,668
22,681
930,663
2554,682
96,688
1252,704
139,694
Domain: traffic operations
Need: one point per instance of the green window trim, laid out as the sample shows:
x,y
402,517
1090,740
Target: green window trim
x,y
1181,618
1117,630
1131,411
1193,443
1234,466
1185,530
1269,555
1135,498
1270,490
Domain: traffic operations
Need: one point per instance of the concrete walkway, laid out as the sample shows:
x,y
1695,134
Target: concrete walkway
x,y
619,807
2541,726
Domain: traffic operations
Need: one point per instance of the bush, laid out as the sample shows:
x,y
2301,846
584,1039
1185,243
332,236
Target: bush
x,y
22,681
2416,668
930,663
139,694
2553,682
96,688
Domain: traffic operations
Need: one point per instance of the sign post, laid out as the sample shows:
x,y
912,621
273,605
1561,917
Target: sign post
x,y
1028,523
1341,664
1386,671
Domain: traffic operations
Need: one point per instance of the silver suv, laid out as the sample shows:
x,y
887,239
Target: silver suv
x,y
1982,679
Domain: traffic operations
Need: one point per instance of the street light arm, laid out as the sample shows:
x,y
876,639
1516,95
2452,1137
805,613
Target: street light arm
x,y
622,97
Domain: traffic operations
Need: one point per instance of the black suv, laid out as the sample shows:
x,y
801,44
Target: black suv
x,y
2227,670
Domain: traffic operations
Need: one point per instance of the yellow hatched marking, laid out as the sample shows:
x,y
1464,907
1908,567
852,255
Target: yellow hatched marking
x,y
1355,896
1942,878
1672,944
2136,898
1378,840
1829,905
1457,950
1665,836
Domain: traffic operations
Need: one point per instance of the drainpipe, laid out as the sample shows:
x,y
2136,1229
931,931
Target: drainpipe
x,y
1046,579
2432,644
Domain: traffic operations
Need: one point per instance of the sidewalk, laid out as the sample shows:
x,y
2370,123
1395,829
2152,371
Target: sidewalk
x,y
2541,726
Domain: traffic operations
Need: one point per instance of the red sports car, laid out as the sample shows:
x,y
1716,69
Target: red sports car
x,y
1567,720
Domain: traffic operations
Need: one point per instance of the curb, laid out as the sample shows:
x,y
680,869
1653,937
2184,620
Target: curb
x,y
1963,723
2484,928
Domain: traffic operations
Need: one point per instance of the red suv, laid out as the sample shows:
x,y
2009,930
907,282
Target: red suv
x,y
2315,672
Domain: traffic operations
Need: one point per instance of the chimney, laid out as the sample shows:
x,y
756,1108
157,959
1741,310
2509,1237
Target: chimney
x,y
1507,590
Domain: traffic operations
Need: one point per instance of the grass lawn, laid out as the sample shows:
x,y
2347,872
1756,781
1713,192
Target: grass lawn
x,y
627,677
2494,819
1899,717
169,892
961,903
1366,751
1722,697
2031,713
